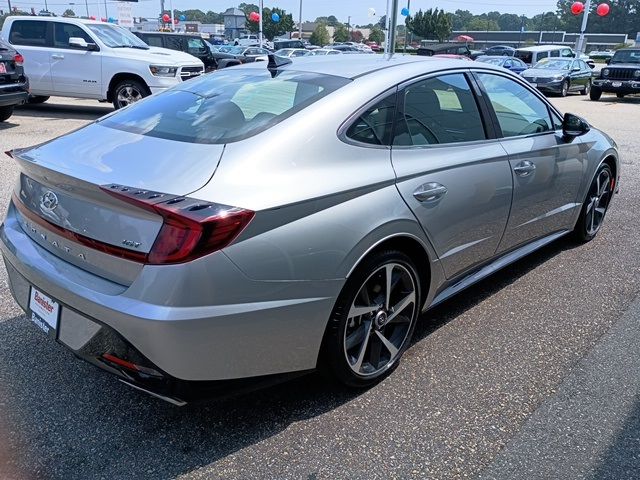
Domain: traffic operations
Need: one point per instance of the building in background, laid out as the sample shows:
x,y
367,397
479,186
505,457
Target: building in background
x,y
235,22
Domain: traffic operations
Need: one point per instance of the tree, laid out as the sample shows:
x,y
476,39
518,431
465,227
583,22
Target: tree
x,y
213,17
509,22
442,25
357,36
271,29
320,36
376,35
483,24
461,19
341,34
247,8
69,13
332,21
382,23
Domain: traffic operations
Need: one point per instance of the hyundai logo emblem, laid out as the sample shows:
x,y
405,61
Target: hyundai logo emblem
x,y
49,201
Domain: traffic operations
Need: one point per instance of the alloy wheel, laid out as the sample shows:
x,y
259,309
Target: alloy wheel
x,y
128,95
380,319
599,197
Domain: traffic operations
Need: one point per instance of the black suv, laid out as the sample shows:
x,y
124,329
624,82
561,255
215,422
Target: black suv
x,y
14,86
183,42
445,49
621,76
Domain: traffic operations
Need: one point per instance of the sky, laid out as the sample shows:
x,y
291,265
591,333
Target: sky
x,y
357,9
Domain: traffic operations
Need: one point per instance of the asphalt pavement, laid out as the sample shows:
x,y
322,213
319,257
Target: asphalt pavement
x,y
532,373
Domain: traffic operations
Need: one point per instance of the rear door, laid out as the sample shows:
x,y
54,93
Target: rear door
x,y
74,71
32,39
450,172
547,170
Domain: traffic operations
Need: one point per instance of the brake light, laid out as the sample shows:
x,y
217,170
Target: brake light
x,y
191,228
18,59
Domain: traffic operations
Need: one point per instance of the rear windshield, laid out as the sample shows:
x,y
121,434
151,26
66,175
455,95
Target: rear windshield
x,y
224,107
525,56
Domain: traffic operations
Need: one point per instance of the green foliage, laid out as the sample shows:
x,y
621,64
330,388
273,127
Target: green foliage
x,y
483,24
341,34
431,24
199,16
320,36
376,35
271,29
247,8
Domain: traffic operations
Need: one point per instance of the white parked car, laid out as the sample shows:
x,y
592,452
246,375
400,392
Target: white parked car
x,y
70,57
247,41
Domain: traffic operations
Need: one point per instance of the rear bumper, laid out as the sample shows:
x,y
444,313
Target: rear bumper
x,y
618,86
276,329
14,94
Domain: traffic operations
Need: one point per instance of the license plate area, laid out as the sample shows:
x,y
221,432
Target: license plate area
x,y
616,84
44,312
3,67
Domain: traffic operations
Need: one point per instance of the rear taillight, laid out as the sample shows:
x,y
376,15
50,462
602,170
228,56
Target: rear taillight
x,y
191,228
18,59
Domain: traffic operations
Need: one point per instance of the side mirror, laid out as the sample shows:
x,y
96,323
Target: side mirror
x,y
607,61
574,126
78,42
575,69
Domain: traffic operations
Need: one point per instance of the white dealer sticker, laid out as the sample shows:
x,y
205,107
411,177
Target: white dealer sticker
x,y
44,311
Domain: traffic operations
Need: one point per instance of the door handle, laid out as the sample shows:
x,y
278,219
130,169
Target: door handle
x,y
429,192
525,168
57,56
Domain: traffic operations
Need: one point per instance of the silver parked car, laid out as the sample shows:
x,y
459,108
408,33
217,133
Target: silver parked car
x,y
190,239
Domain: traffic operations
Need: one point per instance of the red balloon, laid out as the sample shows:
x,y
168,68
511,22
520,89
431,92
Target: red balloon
x,y
254,17
577,8
166,18
603,9
92,18
103,19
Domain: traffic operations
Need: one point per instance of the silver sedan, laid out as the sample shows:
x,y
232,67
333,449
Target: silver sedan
x,y
271,219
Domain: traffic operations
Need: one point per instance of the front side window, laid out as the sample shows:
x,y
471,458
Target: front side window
x,y
439,110
375,124
62,32
196,46
519,111
28,32
224,107
154,40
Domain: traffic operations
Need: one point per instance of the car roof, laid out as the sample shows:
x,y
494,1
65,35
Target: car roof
x,y
57,19
542,48
358,65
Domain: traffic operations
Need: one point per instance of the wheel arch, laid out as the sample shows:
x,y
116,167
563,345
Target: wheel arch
x,y
119,77
410,245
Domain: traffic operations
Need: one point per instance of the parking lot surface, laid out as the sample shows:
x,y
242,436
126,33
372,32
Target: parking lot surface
x,y
493,378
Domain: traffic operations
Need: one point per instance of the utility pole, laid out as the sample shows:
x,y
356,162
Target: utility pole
x,y
300,23
349,26
172,22
106,14
9,1
260,24
86,4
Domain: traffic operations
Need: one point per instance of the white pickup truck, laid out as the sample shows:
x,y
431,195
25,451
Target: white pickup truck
x,y
70,57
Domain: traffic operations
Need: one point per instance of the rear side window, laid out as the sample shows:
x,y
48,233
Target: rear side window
x,y
439,110
28,32
526,57
375,125
153,40
519,111
224,107
174,42
196,46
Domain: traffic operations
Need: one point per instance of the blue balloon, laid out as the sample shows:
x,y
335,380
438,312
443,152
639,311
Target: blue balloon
x,y
405,12
183,18
275,17
112,20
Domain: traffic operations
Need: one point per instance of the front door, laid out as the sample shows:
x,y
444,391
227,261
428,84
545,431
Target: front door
x,y
457,183
74,71
547,170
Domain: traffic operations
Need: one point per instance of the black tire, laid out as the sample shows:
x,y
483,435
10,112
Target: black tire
x,y
6,112
129,91
366,282
564,89
620,95
595,93
586,89
37,99
596,200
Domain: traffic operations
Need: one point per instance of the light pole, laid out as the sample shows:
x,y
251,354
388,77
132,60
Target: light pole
x,y
9,2
260,24
393,25
172,22
300,23
86,4
406,30
583,29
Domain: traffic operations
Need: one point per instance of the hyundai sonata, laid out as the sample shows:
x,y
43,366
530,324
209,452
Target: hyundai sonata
x,y
275,218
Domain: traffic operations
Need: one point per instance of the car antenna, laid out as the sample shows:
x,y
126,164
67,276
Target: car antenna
x,y
275,62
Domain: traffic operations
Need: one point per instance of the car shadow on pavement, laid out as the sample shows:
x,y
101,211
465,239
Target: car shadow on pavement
x,y
7,125
622,458
64,111
69,420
